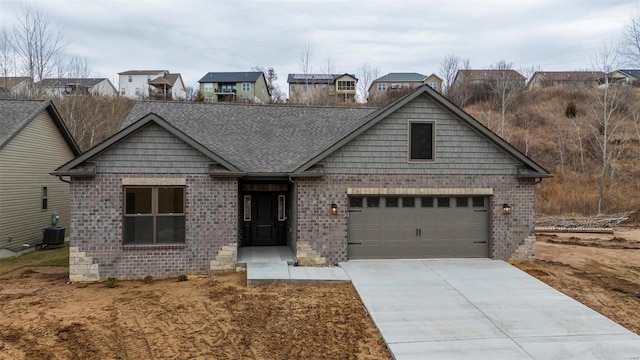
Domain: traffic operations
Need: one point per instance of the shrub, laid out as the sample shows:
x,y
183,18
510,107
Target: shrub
x,y
148,279
182,278
110,282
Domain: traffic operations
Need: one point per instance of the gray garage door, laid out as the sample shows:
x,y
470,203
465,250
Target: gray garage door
x,y
393,227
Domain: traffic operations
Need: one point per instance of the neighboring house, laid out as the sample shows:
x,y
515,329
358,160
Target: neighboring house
x,y
77,87
15,87
628,77
33,141
402,81
322,89
582,79
246,87
477,85
151,84
183,185
487,77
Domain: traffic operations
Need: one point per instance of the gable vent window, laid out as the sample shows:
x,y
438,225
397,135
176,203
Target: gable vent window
x,y
421,141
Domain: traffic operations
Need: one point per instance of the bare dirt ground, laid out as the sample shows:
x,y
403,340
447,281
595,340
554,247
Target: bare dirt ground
x,y
43,317
601,271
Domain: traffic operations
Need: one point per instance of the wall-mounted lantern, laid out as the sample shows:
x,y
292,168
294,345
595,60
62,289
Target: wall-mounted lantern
x,y
506,209
334,209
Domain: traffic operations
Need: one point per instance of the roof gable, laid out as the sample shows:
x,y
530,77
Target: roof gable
x,y
15,115
382,113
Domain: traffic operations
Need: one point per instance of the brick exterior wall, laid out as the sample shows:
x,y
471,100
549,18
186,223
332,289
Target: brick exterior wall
x,y
327,234
96,228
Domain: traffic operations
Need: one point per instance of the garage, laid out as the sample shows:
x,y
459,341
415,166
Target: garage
x,y
405,227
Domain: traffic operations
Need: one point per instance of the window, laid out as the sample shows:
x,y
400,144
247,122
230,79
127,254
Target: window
x,y
395,86
154,215
355,202
426,202
45,198
246,87
462,202
392,202
281,208
130,78
433,85
346,85
477,201
406,85
137,91
247,208
293,88
373,202
408,202
122,91
208,99
304,87
443,202
208,87
421,141
382,86
148,78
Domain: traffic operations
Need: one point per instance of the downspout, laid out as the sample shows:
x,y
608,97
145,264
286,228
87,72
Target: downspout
x,y
294,210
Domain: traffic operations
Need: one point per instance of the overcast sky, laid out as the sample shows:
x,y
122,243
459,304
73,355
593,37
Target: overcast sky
x,y
194,37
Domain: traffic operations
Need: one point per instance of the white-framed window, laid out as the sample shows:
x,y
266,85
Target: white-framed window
x,y
148,78
208,87
137,91
208,99
246,87
433,85
395,86
293,87
422,141
123,91
382,86
346,85
130,78
154,214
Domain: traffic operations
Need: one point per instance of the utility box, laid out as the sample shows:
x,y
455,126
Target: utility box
x,y
52,235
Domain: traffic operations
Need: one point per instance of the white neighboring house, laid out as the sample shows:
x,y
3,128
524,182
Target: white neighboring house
x,y
76,86
151,84
15,87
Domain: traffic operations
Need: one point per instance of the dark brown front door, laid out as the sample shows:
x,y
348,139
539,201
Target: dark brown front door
x,y
265,224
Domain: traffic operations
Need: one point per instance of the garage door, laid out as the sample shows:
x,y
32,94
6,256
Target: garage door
x,y
392,227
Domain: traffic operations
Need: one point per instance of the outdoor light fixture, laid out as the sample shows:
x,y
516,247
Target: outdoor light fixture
x,y
334,209
506,209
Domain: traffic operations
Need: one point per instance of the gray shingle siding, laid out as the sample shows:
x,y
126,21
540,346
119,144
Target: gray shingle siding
x,y
383,148
152,150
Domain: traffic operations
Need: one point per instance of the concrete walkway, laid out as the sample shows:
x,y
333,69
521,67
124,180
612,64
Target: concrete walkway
x,y
269,264
481,309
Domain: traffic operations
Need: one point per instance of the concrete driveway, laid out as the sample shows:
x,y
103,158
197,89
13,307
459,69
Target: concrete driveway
x,y
481,309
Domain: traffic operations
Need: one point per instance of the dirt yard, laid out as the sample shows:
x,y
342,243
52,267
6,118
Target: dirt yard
x,y
43,317
601,271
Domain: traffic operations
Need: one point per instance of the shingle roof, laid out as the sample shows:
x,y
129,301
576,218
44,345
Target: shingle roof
x,y
15,115
490,74
633,72
89,82
401,77
258,138
143,72
10,82
568,75
216,77
315,78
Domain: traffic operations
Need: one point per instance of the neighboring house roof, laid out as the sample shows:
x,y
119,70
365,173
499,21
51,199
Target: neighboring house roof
x,y
143,72
15,115
490,74
567,75
233,77
9,83
315,78
172,78
401,77
631,72
88,82
161,81
273,140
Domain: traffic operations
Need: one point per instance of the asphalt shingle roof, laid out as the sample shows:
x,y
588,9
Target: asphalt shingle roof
x,y
71,81
258,138
216,77
401,77
315,78
15,115
10,82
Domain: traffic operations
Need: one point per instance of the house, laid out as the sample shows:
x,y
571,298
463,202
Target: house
x,y
151,84
33,139
477,85
322,89
486,77
246,87
392,82
16,87
628,77
583,79
183,185
76,86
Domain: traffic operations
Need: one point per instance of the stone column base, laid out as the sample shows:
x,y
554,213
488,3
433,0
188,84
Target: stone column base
x,y
307,256
526,251
81,267
226,259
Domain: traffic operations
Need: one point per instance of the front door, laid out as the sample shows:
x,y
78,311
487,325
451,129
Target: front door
x,y
264,224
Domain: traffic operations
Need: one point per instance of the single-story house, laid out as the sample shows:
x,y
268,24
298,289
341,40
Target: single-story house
x,y
182,186
33,139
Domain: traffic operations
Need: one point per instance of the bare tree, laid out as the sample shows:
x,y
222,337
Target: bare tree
x,y
607,126
7,60
306,68
504,86
36,42
366,76
630,44
528,72
448,69
270,77
325,97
